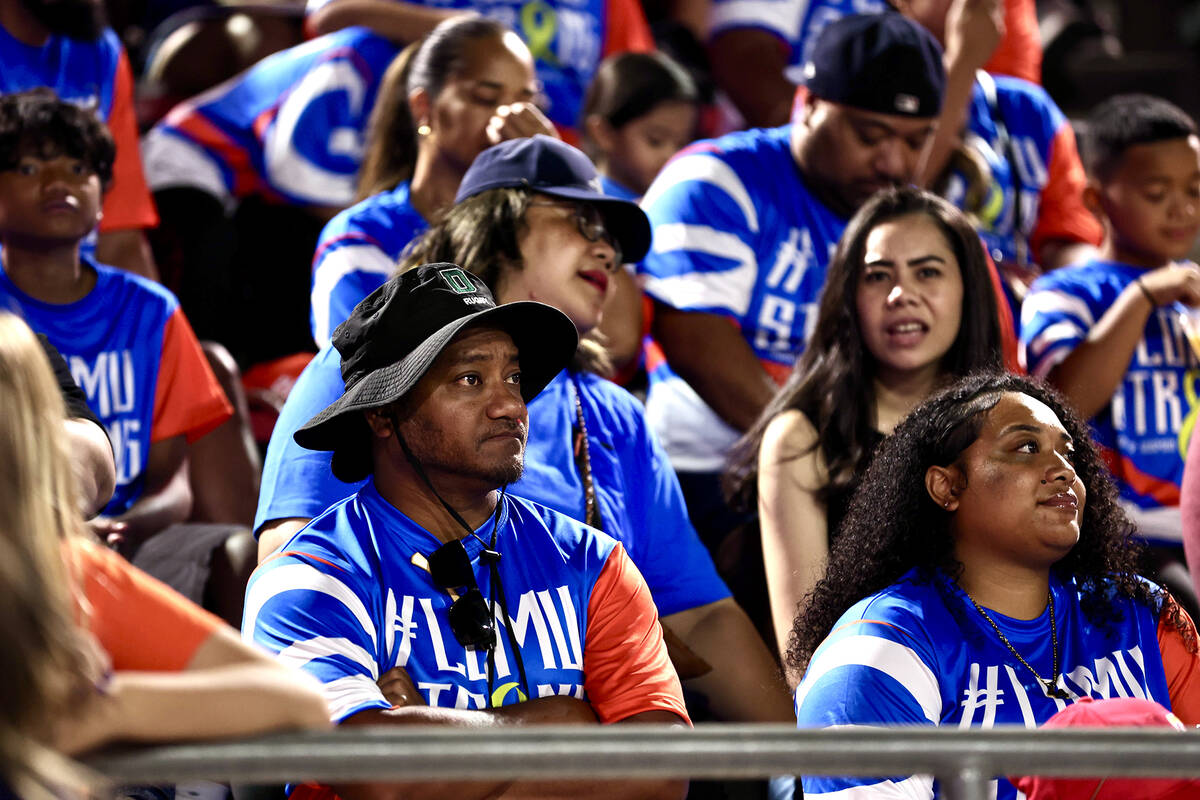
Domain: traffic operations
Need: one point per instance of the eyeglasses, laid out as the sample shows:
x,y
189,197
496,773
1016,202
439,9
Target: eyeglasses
x,y
590,223
470,618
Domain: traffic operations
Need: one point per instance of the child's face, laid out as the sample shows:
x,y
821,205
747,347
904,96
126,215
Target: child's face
x,y
644,145
49,198
1153,202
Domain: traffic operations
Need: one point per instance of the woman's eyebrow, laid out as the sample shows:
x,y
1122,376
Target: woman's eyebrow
x,y
1025,427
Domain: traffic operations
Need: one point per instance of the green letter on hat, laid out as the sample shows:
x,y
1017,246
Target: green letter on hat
x,y
457,280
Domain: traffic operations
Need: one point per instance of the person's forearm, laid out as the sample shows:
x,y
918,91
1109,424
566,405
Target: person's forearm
x,y
156,510
960,86
401,22
1092,372
239,700
745,684
708,352
128,250
92,461
748,64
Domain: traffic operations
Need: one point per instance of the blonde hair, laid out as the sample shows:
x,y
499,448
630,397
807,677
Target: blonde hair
x,y
42,662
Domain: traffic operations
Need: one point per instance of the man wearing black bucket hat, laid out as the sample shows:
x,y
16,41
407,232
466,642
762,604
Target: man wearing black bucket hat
x,y
495,609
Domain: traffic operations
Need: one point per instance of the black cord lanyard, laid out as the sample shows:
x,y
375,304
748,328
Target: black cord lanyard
x,y
489,556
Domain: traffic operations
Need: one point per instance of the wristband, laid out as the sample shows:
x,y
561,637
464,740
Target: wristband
x,y
1149,297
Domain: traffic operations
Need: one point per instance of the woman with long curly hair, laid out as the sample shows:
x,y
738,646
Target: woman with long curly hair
x,y
984,574
908,305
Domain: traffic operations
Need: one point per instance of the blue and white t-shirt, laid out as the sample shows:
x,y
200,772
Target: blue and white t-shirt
x,y
292,127
357,253
350,597
919,653
736,233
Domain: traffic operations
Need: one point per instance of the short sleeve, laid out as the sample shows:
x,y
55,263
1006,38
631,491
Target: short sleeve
x,y
345,271
1062,215
868,672
626,28
188,400
128,203
1181,664
704,225
1056,317
141,623
314,614
625,661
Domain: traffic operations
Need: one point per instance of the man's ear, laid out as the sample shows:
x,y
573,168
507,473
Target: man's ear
x,y
379,422
944,484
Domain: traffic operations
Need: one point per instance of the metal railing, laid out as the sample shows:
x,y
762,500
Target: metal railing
x,y
963,760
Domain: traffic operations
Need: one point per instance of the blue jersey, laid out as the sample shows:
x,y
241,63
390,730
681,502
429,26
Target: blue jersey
x,y
736,233
636,491
1035,193
351,597
357,253
131,351
568,40
1145,428
919,653
80,72
291,127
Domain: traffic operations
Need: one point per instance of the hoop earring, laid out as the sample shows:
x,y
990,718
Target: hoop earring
x,y
424,130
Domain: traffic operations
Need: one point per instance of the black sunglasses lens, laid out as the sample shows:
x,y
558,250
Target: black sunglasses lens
x,y
471,622
450,566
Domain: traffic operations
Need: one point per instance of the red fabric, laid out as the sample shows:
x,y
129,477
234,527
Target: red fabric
x,y
1020,50
1008,327
1061,212
626,28
1125,712
188,120
1164,493
188,400
128,203
625,663
1181,666
141,623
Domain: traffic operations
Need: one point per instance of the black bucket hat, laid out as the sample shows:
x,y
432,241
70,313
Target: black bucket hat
x,y
393,336
544,164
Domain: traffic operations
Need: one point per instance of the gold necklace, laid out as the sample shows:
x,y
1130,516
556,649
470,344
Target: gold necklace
x,y
1050,684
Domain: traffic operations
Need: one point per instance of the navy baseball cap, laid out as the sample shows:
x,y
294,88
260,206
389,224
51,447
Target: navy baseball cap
x,y
546,165
393,336
882,62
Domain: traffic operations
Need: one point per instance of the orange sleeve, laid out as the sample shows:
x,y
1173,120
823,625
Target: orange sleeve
x,y
1020,50
625,663
128,203
1061,212
626,28
187,400
141,623
1181,665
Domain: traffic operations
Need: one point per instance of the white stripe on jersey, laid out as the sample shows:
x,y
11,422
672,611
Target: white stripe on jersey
x,y
915,787
303,577
1049,348
298,654
895,660
704,168
339,263
353,691
1055,303
730,289
783,17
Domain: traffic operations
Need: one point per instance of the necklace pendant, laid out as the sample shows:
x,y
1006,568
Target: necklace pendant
x,y
1054,690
